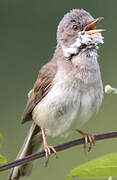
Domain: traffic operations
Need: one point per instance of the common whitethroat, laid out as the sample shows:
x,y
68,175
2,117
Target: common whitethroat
x,y
68,89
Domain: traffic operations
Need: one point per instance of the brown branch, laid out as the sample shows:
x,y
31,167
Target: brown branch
x,y
57,148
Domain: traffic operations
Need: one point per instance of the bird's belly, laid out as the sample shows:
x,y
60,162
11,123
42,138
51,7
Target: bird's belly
x,y
57,109
65,109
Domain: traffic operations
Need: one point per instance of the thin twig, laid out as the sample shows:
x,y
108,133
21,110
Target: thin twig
x,y
57,148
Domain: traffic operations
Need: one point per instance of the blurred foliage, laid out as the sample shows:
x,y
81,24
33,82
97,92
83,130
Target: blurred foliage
x,y
110,90
3,159
104,166
68,177
1,136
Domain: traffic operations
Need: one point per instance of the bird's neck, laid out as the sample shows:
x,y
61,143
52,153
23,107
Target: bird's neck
x,y
81,54
86,57
84,45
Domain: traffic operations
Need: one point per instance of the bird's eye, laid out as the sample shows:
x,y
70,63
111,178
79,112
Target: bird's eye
x,y
75,27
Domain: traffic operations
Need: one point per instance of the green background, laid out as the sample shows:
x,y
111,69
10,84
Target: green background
x,y
27,41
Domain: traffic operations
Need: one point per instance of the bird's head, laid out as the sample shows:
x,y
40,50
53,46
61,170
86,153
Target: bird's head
x,y
77,31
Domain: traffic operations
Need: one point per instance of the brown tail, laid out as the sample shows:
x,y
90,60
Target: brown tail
x,y
32,144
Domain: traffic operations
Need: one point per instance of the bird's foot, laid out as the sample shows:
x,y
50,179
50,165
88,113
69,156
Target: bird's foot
x,y
88,138
48,150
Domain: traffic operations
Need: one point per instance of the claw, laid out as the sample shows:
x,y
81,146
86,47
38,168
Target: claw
x,y
88,138
48,150
92,142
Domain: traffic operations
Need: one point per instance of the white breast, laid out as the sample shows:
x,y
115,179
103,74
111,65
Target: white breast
x,y
68,105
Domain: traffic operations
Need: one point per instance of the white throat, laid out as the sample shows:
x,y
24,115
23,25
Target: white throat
x,y
82,39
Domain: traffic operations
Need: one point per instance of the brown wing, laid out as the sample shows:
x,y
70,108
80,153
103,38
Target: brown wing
x,y
41,87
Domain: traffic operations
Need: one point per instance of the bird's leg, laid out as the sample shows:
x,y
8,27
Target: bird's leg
x,y
48,149
88,138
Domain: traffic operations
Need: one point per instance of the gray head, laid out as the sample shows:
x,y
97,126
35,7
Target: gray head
x,y
77,30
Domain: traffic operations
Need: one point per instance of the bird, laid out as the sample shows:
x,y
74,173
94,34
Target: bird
x,y
68,89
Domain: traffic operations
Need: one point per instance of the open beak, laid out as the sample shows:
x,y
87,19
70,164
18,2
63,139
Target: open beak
x,y
90,28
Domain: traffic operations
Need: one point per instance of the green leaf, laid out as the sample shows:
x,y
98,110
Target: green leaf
x,y
2,159
104,166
